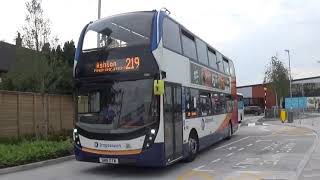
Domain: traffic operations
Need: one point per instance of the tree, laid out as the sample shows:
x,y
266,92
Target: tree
x,y
277,78
36,31
69,50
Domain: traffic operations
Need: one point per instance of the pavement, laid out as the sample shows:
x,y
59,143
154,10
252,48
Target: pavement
x,y
259,150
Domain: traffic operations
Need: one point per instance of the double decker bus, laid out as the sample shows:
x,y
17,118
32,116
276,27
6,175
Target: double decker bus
x,y
149,92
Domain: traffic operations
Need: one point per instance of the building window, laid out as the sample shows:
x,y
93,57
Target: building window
x,y
171,35
202,52
188,45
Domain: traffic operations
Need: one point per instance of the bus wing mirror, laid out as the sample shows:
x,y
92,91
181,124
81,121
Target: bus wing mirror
x,y
158,87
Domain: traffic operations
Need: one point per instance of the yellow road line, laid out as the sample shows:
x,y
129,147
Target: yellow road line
x,y
195,174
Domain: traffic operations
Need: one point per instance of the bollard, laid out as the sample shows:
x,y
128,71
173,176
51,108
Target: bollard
x,y
283,115
290,116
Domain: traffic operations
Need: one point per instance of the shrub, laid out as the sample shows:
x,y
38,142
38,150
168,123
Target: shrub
x,y
18,151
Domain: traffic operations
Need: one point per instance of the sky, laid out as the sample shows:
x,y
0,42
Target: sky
x,y
249,32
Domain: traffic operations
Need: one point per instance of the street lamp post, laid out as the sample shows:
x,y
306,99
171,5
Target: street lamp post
x,y
290,113
290,78
99,16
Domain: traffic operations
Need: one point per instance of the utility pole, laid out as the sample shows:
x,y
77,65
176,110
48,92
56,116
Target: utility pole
x,y
99,16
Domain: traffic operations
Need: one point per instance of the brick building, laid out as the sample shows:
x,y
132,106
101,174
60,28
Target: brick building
x,y
254,95
305,89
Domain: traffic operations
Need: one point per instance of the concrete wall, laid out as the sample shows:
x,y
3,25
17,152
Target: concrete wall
x,y
24,113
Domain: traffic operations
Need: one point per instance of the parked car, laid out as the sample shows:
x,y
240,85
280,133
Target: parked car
x,y
256,110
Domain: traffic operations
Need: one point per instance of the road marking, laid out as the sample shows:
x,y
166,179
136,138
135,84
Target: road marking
x,y
197,174
251,124
307,156
205,170
202,170
263,128
267,147
249,145
198,168
230,154
231,143
214,161
233,147
240,149
263,140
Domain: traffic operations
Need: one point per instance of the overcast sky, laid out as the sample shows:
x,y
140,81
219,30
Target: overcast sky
x,y
247,31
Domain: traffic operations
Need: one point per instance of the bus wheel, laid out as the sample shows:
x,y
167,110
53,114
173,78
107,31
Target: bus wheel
x,y
229,131
193,146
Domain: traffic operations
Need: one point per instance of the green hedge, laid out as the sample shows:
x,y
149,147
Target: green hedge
x,y
22,151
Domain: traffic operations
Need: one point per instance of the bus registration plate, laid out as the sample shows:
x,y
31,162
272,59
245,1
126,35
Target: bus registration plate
x,y
109,160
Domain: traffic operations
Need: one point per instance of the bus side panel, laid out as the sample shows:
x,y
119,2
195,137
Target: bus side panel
x,y
210,129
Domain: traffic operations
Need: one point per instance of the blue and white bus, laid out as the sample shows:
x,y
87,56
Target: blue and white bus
x,y
149,92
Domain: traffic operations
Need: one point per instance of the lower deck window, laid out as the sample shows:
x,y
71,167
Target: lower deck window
x,y
200,103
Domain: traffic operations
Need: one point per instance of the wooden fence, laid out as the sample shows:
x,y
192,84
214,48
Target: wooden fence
x,y
31,113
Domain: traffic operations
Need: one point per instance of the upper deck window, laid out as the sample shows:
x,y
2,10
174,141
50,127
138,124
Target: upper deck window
x,y
188,45
202,52
232,70
171,35
226,66
119,31
219,62
212,59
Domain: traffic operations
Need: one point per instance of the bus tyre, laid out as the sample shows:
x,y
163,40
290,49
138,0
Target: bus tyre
x,y
193,144
229,131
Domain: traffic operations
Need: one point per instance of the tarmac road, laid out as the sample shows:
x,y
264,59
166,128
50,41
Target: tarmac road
x,y
256,151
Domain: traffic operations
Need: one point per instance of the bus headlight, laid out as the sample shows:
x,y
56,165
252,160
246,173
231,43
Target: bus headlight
x,y
76,138
150,137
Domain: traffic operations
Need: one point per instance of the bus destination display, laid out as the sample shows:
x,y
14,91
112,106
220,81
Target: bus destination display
x,y
118,65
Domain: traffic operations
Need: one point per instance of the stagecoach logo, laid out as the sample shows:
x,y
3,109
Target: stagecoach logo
x,y
106,146
96,144
128,146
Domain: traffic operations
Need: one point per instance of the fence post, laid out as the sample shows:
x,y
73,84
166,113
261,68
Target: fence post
x,y
61,104
18,114
34,114
47,115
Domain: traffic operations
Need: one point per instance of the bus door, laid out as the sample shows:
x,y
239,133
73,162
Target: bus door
x,y
172,122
